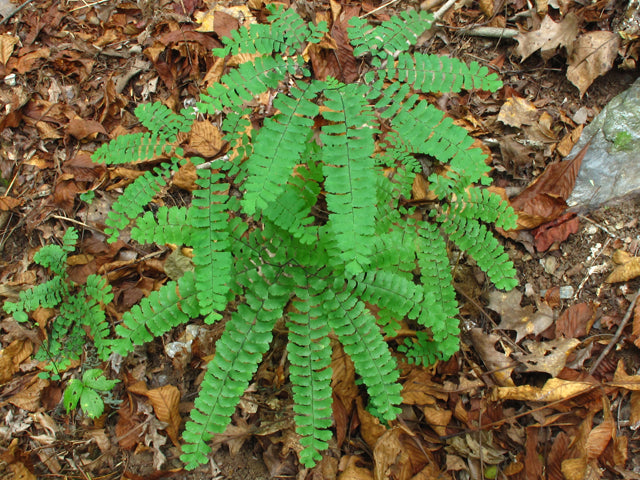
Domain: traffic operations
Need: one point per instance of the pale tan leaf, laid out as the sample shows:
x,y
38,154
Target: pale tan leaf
x,y
550,357
622,380
351,470
574,468
525,321
498,364
593,55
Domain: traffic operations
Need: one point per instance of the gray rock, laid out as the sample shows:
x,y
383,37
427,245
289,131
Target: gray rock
x,y
610,170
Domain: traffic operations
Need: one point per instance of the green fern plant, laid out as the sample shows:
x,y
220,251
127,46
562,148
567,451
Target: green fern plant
x,y
80,312
320,231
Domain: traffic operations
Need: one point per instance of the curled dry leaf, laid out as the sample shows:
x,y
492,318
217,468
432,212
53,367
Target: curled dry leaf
x,y
548,37
628,270
351,471
593,55
553,390
524,320
550,357
544,200
556,231
498,364
517,111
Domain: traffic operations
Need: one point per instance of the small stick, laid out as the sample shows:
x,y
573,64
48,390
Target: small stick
x,y
16,10
443,9
618,334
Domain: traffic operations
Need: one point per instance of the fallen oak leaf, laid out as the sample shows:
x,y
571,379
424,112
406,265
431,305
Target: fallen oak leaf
x,y
628,268
553,390
593,55
548,37
524,320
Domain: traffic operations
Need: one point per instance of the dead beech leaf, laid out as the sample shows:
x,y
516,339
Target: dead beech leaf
x,y
524,320
370,427
593,55
550,357
165,402
600,437
7,42
548,37
545,198
498,364
553,390
517,111
557,453
625,272
396,451
556,231
437,418
29,398
186,177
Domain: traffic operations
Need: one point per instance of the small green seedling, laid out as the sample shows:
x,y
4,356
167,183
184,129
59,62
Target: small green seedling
x,y
86,391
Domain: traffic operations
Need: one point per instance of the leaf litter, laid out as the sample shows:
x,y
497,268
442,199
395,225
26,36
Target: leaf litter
x,y
459,418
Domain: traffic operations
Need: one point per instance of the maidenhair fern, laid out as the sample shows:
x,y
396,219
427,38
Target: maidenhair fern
x,y
309,223
80,308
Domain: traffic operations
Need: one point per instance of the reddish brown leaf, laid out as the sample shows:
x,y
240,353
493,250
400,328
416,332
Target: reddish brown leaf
x,y
545,199
9,203
165,402
557,230
83,168
558,452
81,128
576,321
128,429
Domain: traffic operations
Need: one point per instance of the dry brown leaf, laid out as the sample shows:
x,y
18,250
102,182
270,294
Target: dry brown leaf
x,y
370,427
487,7
29,397
12,356
622,380
544,200
234,436
634,402
625,272
600,437
9,203
397,451
498,364
351,470
186,177
548,37
557,453
550,357
418,389
81,128
205,138
576,321
574,468
556,231
553,390
7,42
437,418
165,402
525,321
569,140
593,55
517,111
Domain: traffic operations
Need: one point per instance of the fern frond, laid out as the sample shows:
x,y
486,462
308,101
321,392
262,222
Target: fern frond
x,y
439,307
278,146
135,197
445,141
474,238
291,211
438,73
132,148
395,35
309,352
245,339
173,304
97,293
208,217
357,331
483,204
161,120
168,225
349,173
46,295
248,80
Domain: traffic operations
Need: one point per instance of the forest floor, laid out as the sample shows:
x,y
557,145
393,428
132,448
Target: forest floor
x,y
526,397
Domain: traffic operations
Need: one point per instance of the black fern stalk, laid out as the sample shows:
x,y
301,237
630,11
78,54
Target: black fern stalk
x,y
273,255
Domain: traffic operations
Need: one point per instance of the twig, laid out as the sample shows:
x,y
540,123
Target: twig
x,y
384,5
490,32
17,9
618,334
443,9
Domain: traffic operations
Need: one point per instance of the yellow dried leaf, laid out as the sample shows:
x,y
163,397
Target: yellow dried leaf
x,y
7,42
437,418
12,356
553,390
625,272
622,380
574,468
